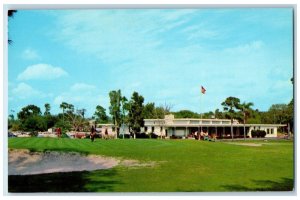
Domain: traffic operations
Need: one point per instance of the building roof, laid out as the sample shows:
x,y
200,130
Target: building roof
x,y
170,121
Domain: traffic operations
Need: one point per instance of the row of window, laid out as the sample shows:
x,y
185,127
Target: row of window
x,y
270,131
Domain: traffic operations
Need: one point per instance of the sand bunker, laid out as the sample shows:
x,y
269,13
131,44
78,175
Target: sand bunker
x,y
24,162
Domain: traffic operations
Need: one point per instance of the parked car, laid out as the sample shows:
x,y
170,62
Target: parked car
x,y
11,135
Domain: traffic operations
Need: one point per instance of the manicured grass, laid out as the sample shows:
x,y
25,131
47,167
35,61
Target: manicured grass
x,y
182,166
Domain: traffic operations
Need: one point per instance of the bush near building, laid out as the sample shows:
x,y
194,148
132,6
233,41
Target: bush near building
x,y
258,133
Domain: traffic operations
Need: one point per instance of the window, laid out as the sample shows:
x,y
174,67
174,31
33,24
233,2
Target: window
x,y
146,128
272,131
152,129
113,128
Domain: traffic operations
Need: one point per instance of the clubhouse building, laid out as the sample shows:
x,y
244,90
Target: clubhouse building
x,y
185,127
170,127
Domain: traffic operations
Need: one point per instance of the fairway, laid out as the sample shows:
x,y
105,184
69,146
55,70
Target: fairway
x,y
182,166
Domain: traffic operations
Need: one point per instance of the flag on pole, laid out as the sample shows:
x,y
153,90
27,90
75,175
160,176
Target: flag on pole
x,y
203,90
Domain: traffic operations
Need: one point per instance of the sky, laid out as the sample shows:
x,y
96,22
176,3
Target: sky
x,y
166,55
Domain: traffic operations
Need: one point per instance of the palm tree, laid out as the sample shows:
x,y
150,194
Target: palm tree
x,y
63,106
125,106
81,112
246,110
47,109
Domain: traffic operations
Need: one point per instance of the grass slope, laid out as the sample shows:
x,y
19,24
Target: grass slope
x,y
184,166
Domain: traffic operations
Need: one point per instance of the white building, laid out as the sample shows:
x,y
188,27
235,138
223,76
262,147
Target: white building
x,y
186,127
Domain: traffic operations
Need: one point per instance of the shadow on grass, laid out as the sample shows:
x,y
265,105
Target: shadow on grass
x,y
63,150
286,184
96,181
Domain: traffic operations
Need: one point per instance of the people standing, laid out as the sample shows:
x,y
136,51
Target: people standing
x,y
59,132
106,134
92,136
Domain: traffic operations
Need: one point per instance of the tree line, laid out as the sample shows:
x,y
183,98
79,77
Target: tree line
x,y
121,111
132,112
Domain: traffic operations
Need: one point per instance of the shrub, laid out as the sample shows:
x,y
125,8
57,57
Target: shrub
x,y
142,135
126,136
258,133
153,136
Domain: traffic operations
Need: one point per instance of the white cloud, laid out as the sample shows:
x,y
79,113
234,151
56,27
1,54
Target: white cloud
x,y
246,48
30,54
200,31
23,91
83,95
170,54
77,87
120,33
42,72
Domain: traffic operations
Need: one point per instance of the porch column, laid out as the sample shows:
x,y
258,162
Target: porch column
x,y
185,132
223,131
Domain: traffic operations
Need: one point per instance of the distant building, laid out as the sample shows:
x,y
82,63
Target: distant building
x,y
186,127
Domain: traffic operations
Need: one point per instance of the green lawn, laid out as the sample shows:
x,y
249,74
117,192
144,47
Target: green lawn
x,y
184,166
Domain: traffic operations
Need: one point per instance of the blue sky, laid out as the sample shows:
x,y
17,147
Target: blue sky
x,y
78,56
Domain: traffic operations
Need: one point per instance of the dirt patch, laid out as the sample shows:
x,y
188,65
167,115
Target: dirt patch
x,y
24,162
136,163
245,144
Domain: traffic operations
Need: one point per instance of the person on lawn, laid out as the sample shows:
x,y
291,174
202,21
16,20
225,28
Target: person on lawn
x,y
92,136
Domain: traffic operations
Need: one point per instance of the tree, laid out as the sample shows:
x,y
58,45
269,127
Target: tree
x,y
47,109
208,115
160,112
167,108
246,110
125,108
10,14
11,121
70,109
51,120
28,111
290,112
280,113
255,117
67,108
135,117
77,122
218,114
34,123
149,111
231,105
185,114
115,108
31,119
63,106
81,112
100,114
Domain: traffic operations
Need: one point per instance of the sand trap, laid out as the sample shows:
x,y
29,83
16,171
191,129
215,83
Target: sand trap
x,y
24,162
246,144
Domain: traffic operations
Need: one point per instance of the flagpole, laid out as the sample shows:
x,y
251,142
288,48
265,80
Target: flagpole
x,y
203,90
201,112
200,121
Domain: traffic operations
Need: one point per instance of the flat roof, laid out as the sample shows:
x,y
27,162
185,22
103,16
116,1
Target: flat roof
x,y
221,125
